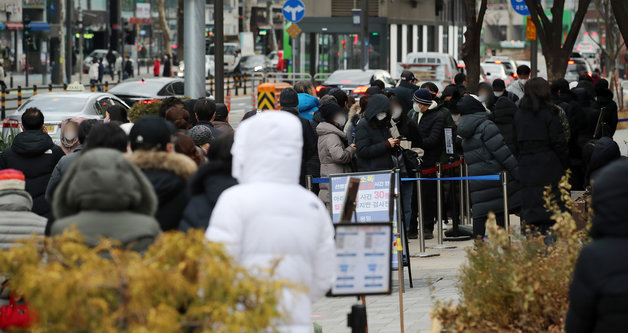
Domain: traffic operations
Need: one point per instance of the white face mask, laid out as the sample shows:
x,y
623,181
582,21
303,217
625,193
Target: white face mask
x,y
456,118
499,93
69,136
341,120
416,107
396,113
523,81
381,116
482,98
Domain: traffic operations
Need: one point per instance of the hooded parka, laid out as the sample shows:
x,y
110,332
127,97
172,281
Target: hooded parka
x,y
114,202
334,153
371,137
16,219
280,220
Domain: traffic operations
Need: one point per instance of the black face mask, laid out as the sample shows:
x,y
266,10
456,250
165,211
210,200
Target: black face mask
x,y
384,123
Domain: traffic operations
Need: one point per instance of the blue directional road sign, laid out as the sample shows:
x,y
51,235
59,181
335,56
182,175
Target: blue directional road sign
x,y
294,10
520,7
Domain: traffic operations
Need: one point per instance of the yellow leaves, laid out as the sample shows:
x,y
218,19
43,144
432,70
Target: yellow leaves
x,y
181,284
515,283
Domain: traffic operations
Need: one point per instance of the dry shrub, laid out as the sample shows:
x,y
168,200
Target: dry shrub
x,y
515,283
139,110
181,284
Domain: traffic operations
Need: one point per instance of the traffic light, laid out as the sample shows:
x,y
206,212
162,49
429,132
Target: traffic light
x,y
28,37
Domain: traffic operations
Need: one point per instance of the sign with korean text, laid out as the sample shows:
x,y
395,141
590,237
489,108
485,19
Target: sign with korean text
x,y
363,259
530,29
373,196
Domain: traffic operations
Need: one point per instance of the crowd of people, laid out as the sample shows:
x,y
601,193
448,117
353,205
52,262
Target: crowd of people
x,y
186,168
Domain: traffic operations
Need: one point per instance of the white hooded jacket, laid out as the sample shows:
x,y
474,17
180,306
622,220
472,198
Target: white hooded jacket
x,y
269,216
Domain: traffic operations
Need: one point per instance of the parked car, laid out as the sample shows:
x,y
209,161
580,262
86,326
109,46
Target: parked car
x,y
59,106
99,53
138,90
255,64
495,71
209,68
509,65
355,81
439,68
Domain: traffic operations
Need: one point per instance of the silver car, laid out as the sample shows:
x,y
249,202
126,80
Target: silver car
x,y
57,107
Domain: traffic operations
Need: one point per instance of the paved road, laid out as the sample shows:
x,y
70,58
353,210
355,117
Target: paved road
x,y
621,137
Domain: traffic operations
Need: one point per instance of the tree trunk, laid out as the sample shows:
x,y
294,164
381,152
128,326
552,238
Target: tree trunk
x,y
550,33
471,47
246,15
180,30
165,31
620,8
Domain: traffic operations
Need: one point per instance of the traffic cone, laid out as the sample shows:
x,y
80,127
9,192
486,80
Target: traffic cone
x,y
254,102
228,101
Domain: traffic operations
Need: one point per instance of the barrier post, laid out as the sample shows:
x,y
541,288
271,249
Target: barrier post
x,y
19,96
308,182
236,81
65,87
3,101
92,86
11,82
50,87
244,84
422,253
439,213
467,197
462,203
211,85
106,86
504,179
228,86
34,89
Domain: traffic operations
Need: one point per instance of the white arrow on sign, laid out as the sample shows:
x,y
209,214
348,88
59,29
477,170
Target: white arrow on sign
x,y
294,11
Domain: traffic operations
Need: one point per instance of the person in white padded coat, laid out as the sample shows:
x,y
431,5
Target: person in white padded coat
x,y
269,216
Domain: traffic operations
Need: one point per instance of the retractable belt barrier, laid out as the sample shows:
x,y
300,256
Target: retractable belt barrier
x,y
482,177
622,120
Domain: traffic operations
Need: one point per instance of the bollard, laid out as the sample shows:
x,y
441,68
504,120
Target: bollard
x,y
228,86
34,90
504,178
422,253
50,87
467,197
19,96
236,80
92,87
3,103
439,213
308,182
106,86
11,82
65,87
244,84
211,85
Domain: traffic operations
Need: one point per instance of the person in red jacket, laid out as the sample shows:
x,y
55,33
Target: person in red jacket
x,y
156,65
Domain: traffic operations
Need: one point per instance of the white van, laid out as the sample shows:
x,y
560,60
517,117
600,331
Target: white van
x,y
439,68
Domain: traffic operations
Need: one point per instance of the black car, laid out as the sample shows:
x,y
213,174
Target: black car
x,y
355,81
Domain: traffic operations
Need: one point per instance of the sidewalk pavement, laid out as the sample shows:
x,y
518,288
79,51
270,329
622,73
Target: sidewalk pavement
x,y
434,279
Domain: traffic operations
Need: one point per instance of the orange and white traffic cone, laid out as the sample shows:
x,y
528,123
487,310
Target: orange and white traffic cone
x,y
228,102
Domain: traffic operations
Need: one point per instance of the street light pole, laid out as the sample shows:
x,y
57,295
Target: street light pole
x,y
194,48
364,25
219,53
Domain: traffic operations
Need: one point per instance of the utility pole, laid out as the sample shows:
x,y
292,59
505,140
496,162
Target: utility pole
x,y
195,48
271,33
219,50
81,33
69,6
364,25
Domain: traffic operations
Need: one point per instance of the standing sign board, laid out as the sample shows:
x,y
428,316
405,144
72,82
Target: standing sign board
x,y
530,29
363,259
373,200
521,7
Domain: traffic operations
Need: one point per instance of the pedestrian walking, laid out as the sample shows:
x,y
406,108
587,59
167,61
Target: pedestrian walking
x,y
69,135
373,140
486,153
503,116
167,72
128,68
608,108
405,90
152,142
33,153
335,154
308,102
294,235
101,73
208,183
518,86
598,293
205,113
93,73
16,219
499,90
542,150
156,66
116,202
111,63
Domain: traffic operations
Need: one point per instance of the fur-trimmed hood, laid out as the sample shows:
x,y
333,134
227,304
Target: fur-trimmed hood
x,y
177,163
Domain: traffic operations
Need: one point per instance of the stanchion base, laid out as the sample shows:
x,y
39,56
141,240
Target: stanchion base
x,y
457,238
442,246
424,255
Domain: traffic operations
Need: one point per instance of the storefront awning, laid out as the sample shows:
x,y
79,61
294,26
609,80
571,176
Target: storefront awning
x,y
39,26
14,25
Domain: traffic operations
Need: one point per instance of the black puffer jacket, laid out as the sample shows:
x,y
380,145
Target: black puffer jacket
x,y
606,103
542,154
313,166
598,295
168,173
605,152
405,93
504,115
486,153
33,153
432,135
591,114
371,137
206,186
